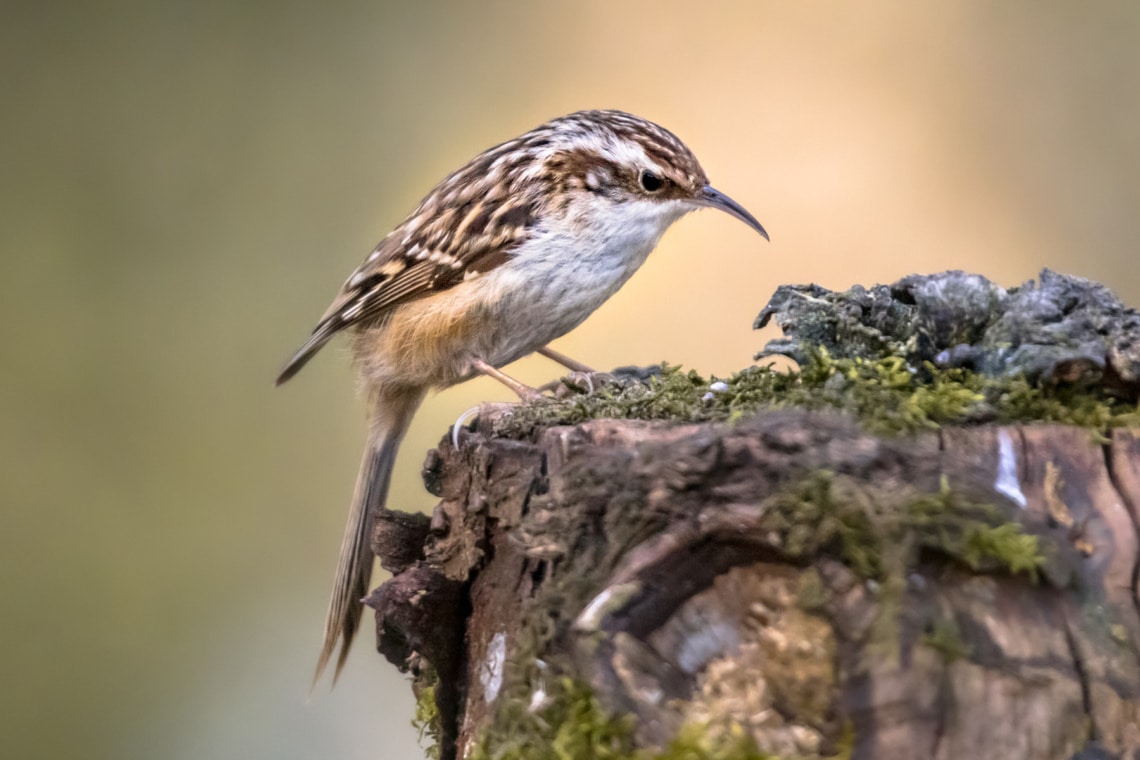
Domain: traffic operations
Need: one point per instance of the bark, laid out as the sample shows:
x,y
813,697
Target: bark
x,y
790,576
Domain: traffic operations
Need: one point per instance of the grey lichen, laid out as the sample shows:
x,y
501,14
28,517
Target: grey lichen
x,y
1059,329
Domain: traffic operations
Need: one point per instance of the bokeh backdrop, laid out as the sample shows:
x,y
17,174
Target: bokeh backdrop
x,y
183,187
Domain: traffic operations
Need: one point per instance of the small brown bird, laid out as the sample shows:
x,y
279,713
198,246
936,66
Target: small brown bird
x,y
508,253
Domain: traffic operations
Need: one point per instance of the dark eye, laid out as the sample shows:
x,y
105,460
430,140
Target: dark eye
x,y
650,181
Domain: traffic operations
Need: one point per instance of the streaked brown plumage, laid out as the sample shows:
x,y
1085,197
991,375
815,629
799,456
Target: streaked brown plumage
x,y
506,254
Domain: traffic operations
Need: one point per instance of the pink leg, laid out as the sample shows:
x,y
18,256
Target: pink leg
x,y
565,361
525,392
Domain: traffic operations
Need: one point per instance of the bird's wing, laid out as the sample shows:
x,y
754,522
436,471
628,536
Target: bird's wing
x,y
452,236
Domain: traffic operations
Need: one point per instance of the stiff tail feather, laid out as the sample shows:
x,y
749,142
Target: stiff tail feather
x,y
319,338
392,411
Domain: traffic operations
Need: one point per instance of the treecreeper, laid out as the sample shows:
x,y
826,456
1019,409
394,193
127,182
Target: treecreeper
x,y
508,253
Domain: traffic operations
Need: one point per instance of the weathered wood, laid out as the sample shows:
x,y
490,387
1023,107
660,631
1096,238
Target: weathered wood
x,y
775,576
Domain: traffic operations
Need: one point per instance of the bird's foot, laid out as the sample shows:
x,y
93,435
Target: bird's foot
x,y
578,384
469,420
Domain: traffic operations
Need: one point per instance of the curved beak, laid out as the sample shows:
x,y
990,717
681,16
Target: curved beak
x,y
714,198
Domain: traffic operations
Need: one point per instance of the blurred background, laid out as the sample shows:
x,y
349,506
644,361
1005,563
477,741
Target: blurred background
x,y
184,186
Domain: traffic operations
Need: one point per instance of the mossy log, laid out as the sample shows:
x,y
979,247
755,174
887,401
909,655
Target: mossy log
x,y
783,583
962,593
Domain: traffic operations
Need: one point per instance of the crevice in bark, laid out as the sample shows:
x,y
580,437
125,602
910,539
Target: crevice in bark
x,y
1133,508
943,706
1022,455
1082,677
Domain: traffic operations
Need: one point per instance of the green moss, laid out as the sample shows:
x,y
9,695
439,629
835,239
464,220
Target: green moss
x,y
945,638
426,719
811,596
695,742
573,726
1005,544
887,395
973,533
845,746
879,534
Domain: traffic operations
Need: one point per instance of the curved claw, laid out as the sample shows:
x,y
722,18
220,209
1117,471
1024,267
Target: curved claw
x,y
491,408
461,423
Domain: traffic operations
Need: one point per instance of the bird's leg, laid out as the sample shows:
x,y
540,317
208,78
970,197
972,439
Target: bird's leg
x,y
565,361
525,392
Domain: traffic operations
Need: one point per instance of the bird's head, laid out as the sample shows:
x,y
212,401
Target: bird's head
x,y
618,159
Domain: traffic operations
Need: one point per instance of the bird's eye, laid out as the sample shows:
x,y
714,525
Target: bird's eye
x,y
650,182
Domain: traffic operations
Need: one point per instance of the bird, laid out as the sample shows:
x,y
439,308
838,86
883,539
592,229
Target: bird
x,y
508,253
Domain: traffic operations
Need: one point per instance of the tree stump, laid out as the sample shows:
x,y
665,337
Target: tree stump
x,y
788,582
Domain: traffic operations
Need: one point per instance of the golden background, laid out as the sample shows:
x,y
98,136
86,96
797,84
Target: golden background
x,y
185,185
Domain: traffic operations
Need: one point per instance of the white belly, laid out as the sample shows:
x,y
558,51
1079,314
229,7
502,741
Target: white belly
x,y
555,281
552,283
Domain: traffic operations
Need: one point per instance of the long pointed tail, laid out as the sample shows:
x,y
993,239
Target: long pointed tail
x,y
391,413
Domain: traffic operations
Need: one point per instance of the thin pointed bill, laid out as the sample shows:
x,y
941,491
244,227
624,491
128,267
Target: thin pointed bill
x,y
714,198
